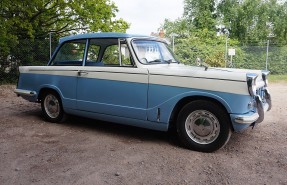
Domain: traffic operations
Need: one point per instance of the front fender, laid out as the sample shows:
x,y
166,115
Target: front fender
x,y
162,100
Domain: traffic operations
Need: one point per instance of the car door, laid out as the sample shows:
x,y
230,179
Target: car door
x,y
115,87
63,71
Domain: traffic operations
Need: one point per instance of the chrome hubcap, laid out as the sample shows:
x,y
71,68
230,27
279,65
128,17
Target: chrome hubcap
x,y
202,127
52,106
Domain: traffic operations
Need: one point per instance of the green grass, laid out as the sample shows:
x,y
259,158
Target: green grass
x,y
277,78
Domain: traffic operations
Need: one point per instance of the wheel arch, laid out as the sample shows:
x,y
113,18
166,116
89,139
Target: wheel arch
x,y
184,101
44,89
55,115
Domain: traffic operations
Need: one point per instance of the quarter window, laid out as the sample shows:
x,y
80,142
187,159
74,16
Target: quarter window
x,y
111,56
125,55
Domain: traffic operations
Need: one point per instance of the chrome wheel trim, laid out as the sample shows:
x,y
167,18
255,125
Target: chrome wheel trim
x,y
202,127
52,106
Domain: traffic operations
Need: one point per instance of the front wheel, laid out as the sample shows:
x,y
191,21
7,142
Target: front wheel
x,y
203,126
52,107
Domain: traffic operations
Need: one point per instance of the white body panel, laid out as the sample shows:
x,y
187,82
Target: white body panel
x,y
177,75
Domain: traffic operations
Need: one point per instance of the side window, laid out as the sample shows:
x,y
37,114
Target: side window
x,y
71,53
111,56
93,54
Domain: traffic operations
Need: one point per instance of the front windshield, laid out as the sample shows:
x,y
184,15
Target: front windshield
x,y
152,52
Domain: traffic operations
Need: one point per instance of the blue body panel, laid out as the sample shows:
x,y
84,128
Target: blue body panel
x,y
124,99
121,120
166,97
65,86
127,102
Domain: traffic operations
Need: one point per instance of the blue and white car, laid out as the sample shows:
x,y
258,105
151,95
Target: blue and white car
x,y
135,80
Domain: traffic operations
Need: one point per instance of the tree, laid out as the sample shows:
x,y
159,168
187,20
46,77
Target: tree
x,y
197,33
278,18
197,36
179,26
24,22
254,20
201,13
36,18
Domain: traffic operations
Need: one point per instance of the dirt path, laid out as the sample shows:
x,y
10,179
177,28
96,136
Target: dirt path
x,y
84,151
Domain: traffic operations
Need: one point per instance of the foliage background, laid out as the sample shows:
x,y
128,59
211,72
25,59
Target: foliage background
x,y
202,31
245,25
25,27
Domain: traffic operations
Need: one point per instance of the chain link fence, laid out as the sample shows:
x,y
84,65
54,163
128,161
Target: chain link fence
x,y
259,57
37,52
27,52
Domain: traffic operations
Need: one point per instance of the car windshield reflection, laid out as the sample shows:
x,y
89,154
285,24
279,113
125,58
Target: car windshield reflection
x,y
153,52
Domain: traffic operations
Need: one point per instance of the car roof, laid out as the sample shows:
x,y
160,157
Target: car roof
x,y
102,35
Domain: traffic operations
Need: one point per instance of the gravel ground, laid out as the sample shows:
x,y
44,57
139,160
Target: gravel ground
x,y
85,151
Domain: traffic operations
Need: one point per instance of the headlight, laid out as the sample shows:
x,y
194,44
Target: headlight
x,y
251,83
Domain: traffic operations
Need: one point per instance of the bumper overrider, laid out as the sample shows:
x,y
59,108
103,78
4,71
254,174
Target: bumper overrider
x,y
261,106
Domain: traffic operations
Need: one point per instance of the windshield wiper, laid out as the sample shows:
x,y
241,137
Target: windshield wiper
x,y
166,61
155,61
171,61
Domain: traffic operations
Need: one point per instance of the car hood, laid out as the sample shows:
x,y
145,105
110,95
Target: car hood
x,y
200,72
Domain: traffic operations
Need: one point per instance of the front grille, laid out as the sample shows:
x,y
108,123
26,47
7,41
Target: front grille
x,y
261,92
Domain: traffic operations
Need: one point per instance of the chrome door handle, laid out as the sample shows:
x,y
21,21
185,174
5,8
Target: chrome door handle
x,y
81,73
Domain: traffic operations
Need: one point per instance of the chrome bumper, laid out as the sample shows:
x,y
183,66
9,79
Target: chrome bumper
x,y
246,119
258,116
20,92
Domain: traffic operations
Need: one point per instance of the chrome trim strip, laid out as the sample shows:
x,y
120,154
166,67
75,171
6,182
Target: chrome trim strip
x,y
25,92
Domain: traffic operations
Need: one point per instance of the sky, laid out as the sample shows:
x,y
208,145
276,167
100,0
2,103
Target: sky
x,y
146,16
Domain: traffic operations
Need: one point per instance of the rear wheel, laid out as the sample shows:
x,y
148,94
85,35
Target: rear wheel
x,y
203,126
52,107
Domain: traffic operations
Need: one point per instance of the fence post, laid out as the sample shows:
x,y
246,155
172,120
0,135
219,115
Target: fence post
x,y
50,40
267,54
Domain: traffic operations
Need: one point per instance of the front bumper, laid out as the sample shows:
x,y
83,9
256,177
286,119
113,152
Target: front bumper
x,y
256,117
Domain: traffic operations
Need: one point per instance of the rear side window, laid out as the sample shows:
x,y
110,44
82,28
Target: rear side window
x,y
70,54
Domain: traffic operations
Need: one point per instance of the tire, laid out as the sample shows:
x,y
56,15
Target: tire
x,y
203,126
52,108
